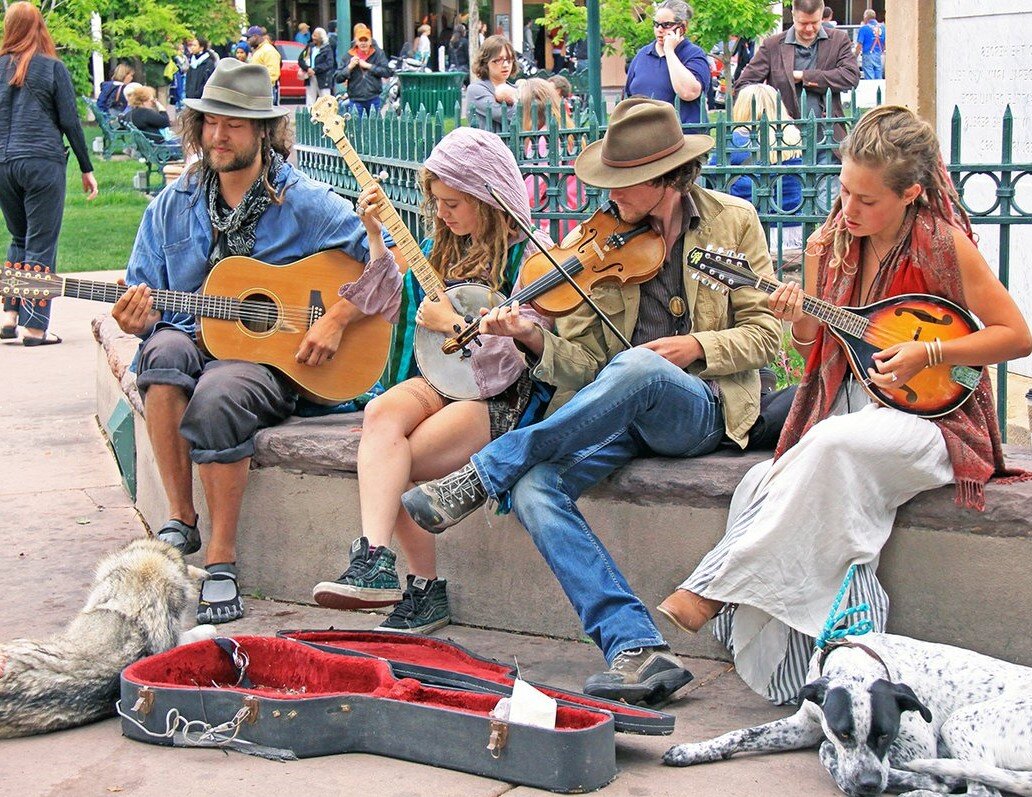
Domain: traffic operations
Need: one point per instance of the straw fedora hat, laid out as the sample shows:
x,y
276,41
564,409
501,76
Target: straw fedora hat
x,y
240,90
644,140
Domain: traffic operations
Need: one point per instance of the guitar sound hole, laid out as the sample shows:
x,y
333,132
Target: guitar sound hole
x,y
259,313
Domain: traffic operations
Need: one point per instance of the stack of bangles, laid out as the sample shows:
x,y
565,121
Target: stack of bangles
x,y
934,350
796,341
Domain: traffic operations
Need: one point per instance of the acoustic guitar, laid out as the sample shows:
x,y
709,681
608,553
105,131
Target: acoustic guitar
x,y
862,331
252,311
450,375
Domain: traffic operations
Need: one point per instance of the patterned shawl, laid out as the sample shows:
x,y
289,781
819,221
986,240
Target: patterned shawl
x,y
927,264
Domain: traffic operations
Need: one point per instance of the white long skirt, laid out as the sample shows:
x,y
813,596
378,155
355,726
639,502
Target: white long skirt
x,y
796,525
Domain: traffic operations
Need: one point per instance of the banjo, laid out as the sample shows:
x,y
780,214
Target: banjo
x,y
451,376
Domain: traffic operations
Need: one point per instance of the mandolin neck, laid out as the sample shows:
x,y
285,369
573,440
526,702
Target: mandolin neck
x,y
833,316
428,279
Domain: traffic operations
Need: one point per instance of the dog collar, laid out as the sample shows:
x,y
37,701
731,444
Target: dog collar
x,y
832,646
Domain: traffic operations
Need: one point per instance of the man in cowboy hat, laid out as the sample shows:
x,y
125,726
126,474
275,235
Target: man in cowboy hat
x,y
689,383
240,198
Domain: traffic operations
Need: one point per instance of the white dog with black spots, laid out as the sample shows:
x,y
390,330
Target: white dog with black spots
x,y
894,714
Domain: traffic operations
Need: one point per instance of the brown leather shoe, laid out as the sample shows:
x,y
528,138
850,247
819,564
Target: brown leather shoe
x,y
689,611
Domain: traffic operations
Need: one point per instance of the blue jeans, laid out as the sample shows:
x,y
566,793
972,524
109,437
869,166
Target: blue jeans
x,y
873,65
362,107
640,405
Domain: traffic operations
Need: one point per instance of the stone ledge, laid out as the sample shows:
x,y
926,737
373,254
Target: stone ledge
x,y
329,445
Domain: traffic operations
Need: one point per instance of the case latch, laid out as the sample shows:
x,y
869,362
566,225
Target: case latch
x,y
499,736
251,704
144,701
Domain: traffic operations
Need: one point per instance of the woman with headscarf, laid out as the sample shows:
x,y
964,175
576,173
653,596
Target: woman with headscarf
x,y
38,99
412,432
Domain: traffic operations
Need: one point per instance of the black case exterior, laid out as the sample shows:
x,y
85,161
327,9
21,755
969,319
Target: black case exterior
x,y
568,760
627,719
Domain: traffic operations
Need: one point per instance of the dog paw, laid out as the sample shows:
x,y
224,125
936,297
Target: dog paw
x,y
198,633
684,755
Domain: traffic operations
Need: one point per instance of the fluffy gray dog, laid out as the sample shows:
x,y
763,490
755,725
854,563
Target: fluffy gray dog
x,y
134,610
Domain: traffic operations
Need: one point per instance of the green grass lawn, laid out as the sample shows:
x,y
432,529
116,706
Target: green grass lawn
x,y
99,234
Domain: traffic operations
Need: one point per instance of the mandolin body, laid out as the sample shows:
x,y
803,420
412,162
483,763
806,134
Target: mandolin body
x,y
932,392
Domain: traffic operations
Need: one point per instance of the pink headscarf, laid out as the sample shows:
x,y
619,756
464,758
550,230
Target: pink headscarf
x,y
469,159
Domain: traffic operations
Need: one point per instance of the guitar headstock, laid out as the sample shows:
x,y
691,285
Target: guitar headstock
x,y
729,269
27,281
325,112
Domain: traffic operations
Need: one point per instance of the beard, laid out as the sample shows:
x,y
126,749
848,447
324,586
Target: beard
x,y
231,162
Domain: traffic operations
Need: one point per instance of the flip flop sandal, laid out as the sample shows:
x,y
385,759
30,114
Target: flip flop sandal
x,y
220,598
182,536
48,339
8,332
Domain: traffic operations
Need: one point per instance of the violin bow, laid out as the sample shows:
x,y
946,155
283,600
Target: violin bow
x,y
559,267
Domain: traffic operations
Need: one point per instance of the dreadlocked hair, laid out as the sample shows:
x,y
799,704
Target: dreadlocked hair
x,y
275,135
482,256
894,138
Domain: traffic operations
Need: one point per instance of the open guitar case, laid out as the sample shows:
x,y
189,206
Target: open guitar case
x,y
313,693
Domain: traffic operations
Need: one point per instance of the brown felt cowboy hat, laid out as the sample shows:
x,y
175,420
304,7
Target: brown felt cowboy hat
x,y
240,90
644,140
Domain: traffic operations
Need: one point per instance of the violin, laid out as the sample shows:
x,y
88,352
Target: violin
x,y
603,248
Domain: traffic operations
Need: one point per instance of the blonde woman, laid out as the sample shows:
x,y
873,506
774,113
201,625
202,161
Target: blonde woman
x,y
148,115
752,104
411,432
541,102
844,464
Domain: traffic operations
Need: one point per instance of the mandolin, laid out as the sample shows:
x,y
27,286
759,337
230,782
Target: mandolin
x,y
863,331
252,311
452,377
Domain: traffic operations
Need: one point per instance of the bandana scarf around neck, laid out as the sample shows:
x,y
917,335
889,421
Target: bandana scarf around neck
x,y
234,230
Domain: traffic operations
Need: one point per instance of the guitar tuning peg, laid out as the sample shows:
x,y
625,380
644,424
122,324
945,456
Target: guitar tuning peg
x,y
695,276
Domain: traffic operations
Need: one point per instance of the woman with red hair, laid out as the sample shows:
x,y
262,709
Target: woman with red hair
x,y
38,99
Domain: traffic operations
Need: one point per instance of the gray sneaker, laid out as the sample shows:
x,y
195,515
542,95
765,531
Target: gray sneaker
x,y
423,609
439,504
644,676
370,581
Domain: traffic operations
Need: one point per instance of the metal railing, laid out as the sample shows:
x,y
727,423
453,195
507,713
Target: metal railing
x,y
398,146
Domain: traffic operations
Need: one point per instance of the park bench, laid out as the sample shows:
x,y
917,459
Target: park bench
x,y
156,155
115,136
954,575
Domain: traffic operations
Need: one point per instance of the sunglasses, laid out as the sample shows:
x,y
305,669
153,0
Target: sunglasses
x,y
666,25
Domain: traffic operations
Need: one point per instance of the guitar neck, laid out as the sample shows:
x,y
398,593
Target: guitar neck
x,y
223,307
823,311
407,245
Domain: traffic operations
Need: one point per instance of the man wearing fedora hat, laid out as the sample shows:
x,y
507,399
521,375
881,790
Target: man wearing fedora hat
x,y
240,198
689,383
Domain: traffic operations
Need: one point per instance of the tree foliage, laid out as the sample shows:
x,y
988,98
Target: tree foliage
x,y
144,32
716,21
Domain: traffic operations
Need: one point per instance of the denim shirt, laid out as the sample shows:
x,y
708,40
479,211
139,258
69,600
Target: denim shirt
x,y
172,244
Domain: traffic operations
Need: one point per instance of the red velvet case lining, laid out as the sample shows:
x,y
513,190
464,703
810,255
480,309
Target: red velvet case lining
x,y
430,652
280,669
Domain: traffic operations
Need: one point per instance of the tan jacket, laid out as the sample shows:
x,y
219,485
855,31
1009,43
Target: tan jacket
x,y
738,333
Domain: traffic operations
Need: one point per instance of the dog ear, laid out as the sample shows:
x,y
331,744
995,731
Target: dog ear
x,y
907,701
815,691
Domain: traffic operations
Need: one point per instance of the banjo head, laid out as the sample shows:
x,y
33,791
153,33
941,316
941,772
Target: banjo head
x,y
451,375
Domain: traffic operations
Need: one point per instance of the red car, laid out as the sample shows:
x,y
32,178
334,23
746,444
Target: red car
x,y
291,86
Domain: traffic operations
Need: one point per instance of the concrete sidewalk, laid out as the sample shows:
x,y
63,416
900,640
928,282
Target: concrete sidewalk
x,y
65,509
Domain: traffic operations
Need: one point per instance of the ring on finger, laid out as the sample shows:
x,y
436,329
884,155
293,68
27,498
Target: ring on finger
x,y
893,378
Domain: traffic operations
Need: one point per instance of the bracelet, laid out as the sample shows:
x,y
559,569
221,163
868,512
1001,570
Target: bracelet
x,y
933,349
796,341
